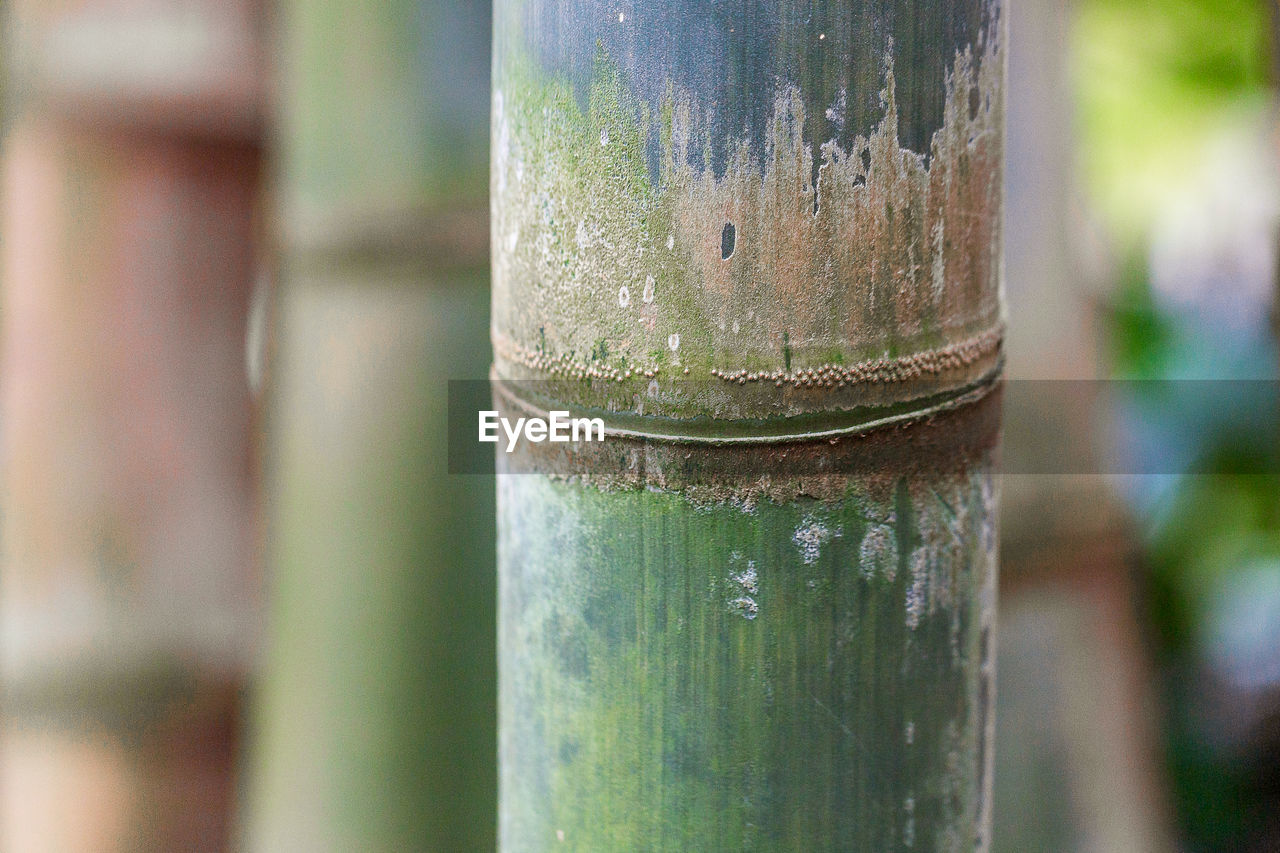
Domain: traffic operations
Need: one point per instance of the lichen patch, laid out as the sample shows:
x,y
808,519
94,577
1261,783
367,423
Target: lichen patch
x,y
810,537
883,268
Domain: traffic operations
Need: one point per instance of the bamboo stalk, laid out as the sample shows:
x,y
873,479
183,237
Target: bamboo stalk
x,y
729,232
1072,715
128,589
374,723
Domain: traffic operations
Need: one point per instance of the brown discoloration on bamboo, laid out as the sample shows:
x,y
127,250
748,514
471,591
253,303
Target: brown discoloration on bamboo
x,y
981,348
889,261
852,262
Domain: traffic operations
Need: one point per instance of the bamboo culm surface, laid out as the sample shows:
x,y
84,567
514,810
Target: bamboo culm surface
x,y
761,241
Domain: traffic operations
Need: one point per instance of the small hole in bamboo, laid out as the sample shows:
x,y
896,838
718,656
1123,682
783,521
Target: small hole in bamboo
x,y
727,238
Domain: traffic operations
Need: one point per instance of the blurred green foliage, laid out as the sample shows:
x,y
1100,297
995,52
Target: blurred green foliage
x,y
1157,83
1214,524
1142,339
1154,78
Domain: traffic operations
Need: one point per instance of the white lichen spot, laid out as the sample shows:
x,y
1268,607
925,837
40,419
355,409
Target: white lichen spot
x,y
502,141
648,289
604,136
836,112
673,342
624,296
878,554
909,828
810,538
747,578
939,270
917,591
746,585
990,495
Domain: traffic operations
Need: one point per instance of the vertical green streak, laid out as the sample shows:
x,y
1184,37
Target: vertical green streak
x,y
384,110
374,723
779,676
375,716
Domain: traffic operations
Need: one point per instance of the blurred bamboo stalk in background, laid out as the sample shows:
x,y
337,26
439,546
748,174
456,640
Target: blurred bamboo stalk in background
x,y
374,725
1076,744
776,225
129,580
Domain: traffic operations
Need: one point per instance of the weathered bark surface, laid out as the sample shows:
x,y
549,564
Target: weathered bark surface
x,y
726,231
639,236
129,586
375,720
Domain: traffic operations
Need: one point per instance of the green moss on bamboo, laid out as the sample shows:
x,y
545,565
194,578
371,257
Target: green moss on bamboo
x,y
888,259
778,725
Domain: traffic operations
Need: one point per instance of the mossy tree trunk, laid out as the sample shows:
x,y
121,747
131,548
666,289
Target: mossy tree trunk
x,y
762,242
